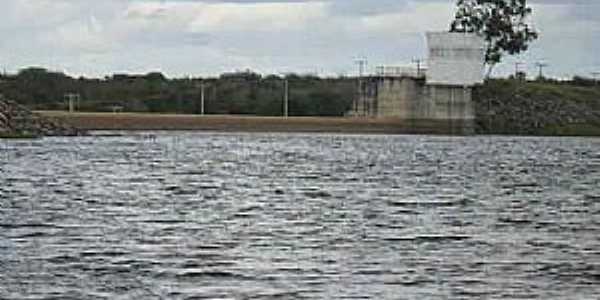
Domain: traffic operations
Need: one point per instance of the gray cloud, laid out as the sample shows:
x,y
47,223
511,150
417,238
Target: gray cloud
x,y
207,37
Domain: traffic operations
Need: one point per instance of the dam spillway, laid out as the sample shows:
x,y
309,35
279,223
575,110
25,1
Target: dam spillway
x,y
442,91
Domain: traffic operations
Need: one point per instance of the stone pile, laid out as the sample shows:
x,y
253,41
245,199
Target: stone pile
x,y
17,120
525,115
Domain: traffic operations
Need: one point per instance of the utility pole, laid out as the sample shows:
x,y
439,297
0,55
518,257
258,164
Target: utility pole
x,y
202,90
286,96
418,61
595,76
361,97
518,65
541,67
362,66
72,99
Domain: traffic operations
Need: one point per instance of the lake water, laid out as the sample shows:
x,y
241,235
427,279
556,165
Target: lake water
x,y
299,216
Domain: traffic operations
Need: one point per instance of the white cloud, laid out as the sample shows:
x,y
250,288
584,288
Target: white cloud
x,y
207,37
411,21
218,17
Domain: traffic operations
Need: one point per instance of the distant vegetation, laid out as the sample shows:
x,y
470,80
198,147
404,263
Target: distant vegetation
x,y
503,106
245,93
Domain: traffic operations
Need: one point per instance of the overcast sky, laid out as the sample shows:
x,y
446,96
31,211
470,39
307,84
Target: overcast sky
x,y
200,38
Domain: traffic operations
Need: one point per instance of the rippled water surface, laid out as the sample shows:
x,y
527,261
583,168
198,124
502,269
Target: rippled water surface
x,y
299,216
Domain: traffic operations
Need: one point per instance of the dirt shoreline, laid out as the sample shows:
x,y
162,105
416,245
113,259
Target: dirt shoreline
x,y
233,123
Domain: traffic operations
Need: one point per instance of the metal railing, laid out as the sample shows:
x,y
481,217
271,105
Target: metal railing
x,y
394,71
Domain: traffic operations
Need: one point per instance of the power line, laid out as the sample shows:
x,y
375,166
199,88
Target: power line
x,y
361,97
286,93
595,75
73,101
362,65
518,65
541,66
202,97
419,63
286,97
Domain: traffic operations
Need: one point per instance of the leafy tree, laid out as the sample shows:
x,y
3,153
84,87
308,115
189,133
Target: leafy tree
x,y
156,76
502,23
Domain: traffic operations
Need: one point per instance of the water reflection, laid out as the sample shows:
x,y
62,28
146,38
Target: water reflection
x,y
280,216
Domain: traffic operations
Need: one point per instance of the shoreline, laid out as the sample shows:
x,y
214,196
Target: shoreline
x,y
239,123
94,121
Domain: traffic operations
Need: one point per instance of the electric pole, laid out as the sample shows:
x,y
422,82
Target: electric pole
x,y
419,62
202,90
518,65
361,98
286,96
595,76
541,67
73,100
362,66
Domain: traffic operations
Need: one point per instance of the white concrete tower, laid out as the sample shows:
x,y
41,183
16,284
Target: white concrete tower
x,y
455,59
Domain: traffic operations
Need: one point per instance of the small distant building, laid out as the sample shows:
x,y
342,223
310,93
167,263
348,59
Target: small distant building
x,y
442,91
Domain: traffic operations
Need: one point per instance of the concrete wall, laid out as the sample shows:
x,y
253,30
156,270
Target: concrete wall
x,y
449,102
365,104
398,96
443,94
455,58
409,98
453,105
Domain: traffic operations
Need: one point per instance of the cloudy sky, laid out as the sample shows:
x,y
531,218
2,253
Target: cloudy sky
x,y
207,37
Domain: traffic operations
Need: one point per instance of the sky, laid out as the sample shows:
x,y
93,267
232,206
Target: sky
x,y
208,37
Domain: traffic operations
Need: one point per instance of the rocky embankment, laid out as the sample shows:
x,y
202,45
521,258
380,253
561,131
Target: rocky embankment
x,y
537,109
18,121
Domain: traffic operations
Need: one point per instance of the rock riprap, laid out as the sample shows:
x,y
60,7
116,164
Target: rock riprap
x,y
533,108
17,120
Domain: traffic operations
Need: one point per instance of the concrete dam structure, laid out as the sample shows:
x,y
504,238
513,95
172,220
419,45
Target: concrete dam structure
x,y
442,92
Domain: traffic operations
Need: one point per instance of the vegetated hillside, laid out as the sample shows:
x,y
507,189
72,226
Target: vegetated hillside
x,y
245,93
542,107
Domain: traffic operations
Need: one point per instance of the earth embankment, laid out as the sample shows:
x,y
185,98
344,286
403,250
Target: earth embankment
x,y
141,121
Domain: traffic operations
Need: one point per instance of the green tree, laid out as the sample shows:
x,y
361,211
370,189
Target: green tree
x,y
502,23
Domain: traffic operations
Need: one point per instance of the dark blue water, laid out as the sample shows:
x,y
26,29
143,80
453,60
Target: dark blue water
x,y
292,216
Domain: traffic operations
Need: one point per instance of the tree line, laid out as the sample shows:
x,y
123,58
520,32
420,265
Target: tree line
x,y
503,24
246,93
